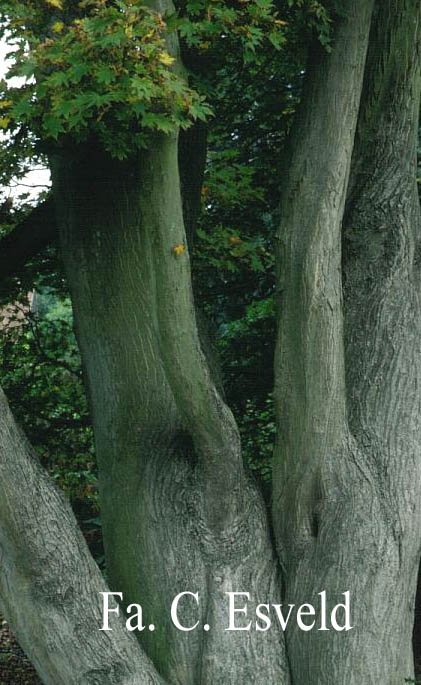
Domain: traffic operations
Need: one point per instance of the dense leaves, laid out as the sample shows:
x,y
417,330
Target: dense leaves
x,y
97,68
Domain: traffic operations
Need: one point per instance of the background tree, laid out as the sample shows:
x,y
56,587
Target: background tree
x,y
178,508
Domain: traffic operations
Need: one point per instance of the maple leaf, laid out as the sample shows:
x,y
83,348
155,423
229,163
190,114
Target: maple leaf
x,y
165,58
58,27
179,249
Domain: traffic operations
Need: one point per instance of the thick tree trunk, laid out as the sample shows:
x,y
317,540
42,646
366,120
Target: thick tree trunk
x,y
178,511
347,490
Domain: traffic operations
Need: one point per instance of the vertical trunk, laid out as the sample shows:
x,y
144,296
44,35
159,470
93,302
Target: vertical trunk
x,y
348,482
309,364
383,319
178,512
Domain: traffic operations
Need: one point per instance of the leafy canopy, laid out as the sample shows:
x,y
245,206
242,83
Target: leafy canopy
x,y
106,67
98,68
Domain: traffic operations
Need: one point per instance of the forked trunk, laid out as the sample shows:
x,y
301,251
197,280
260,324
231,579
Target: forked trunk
x,y
347,493
179,513
170,524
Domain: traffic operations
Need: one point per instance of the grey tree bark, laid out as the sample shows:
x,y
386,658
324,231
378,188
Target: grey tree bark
x,y
347,484
49,583
179,512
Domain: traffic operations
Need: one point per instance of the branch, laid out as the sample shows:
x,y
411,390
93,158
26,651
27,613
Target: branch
x,y
208,419
381,248
35,232
50,584
309,363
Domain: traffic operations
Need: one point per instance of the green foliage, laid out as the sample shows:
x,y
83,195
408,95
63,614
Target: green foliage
x,y
258,432
234,281
227,251
215,25
40,371
99,68
41,374
102,67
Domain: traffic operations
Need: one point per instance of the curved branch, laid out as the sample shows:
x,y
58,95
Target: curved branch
x,y
309,364
50,584
208,419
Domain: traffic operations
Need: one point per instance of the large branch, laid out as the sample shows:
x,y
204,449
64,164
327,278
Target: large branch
x,y
208,419
49,583
382,244
35,232
309,364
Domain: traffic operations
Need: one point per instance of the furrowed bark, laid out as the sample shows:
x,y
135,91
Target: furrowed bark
x,y
382,247
152,485
312,511
163,533
37,231
365,510
309,365
49,583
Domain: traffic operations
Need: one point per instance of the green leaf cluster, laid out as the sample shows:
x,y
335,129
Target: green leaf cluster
x,y
243,24
94,68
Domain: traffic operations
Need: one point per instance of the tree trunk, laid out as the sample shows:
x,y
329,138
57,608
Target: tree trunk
x,y
347,490
49,583
178,511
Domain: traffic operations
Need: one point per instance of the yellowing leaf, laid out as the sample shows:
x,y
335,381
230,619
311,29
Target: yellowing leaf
x,y
5,104
281,22
58,27
55,3
166,59
4,122
178,249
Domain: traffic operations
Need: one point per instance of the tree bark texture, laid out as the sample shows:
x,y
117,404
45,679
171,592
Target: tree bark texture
x,y
171,475
347,488
49,583
178,510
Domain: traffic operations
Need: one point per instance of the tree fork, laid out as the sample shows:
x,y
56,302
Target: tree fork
x,y
357,507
